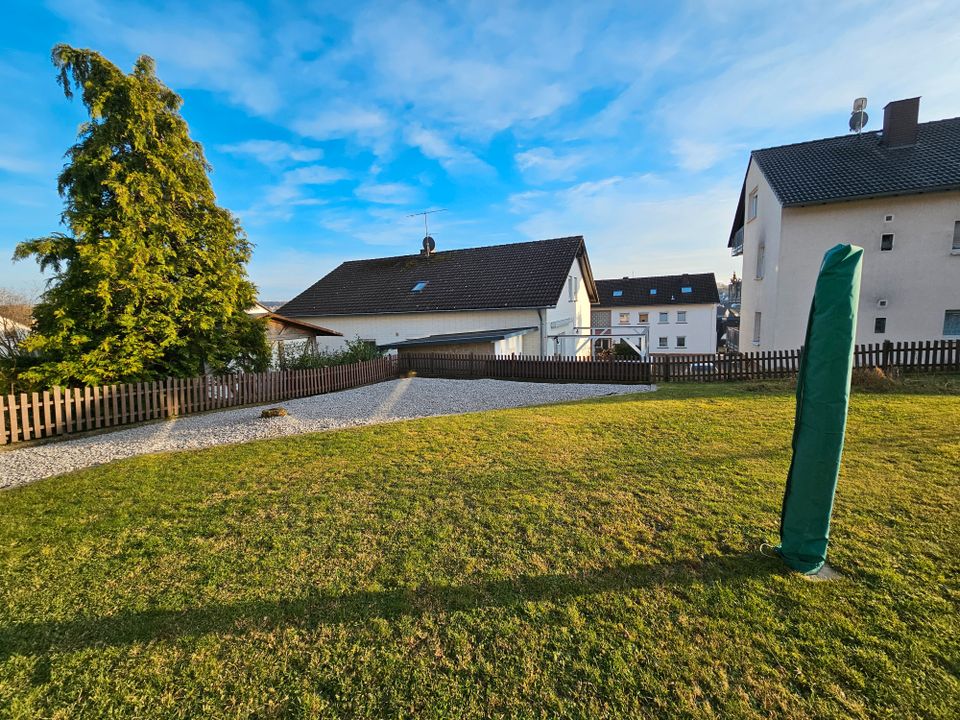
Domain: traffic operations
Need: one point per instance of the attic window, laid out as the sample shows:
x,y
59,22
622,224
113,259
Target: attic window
x,y
618,293
686,289
653,291
419,286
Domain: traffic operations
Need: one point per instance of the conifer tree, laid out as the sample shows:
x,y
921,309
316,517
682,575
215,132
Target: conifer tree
x,y
149,279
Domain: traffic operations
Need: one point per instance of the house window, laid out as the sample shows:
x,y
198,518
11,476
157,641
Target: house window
x,y
681,316
662,342
951,322
618,293
880,325
888,218
756,328
664,317
886,242
422,284
573,284
686,290
653,291
761,251
681,341
625,318
643,318
752,205
956,236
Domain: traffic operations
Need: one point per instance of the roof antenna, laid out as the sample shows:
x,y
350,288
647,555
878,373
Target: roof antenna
x,y
859,117
428,242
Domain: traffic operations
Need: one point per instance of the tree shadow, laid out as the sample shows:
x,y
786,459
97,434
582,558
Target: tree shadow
x,y
318,608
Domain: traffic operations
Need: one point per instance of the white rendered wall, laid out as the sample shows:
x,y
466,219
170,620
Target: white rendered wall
x,y
700,328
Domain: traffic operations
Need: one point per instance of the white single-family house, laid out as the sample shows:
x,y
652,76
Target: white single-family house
x,y
526,298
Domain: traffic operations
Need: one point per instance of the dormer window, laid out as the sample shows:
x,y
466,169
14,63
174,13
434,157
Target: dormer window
x,y
686,289
618,293
419,286
653,291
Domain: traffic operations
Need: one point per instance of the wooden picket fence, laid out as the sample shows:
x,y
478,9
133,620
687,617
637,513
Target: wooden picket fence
x,y
62,411
929,356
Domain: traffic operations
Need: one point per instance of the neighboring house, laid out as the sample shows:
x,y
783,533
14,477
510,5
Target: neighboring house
x,y
668,314
895,192
281,330
12,334
530,298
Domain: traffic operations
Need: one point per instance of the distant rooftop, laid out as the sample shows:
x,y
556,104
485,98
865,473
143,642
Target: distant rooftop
x,y
684,289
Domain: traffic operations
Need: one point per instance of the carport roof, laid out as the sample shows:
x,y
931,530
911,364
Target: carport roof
x,y
462,338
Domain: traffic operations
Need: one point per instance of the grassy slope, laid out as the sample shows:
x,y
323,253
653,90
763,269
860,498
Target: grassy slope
x,y
598,559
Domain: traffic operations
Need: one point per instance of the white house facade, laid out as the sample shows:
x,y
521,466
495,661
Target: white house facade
x,y
895,193
666,314
521,298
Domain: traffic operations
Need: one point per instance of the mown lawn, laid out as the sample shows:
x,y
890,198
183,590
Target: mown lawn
x,y
597,559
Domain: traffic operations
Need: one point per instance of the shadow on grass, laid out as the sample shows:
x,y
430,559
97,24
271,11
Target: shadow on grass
x,y
317,608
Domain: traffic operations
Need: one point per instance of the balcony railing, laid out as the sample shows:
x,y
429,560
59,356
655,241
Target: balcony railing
x,y
737,247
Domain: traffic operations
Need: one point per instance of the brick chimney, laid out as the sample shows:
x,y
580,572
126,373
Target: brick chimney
x,y
900,123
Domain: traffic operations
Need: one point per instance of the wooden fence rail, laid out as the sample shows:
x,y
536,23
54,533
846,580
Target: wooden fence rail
x,y
62,411
930,356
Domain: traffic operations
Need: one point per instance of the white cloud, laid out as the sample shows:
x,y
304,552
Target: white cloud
x,y
454,159
387,193
273,152
640,225
542,163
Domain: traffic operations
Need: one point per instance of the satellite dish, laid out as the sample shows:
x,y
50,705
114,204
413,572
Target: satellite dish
x,y
858,120
429,244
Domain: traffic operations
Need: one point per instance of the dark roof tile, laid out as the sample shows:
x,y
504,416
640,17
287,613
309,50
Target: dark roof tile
x,y
519,275
669,290
860,166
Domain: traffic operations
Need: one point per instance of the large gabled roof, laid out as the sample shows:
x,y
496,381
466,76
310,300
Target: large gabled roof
x,y
518,275
853,167
668,290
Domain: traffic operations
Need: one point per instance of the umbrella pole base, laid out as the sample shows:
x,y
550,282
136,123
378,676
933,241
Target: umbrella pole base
x,y
824,573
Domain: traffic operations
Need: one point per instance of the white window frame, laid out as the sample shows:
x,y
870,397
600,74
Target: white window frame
x,y
664,318
757,317
882,331
682,317
753,204
955,247
663,343
573,286
643,318
624,318
681,342
761,260
893,240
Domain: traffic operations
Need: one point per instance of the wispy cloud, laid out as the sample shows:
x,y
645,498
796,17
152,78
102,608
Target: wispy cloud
x,y
387,193
453,158
543,163
273,152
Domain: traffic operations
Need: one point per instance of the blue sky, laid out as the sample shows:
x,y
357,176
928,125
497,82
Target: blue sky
x,y
629,123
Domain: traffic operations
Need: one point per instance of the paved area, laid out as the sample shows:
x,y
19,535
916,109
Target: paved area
x,y
385,402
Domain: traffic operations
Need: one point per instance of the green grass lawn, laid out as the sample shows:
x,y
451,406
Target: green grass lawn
x,y
596,559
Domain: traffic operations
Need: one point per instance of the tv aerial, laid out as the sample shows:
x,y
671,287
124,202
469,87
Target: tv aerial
x,y
859,117
425,213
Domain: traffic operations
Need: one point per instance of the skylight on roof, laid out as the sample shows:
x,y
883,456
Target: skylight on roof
x,y
686,289
419,286
653,291
618,293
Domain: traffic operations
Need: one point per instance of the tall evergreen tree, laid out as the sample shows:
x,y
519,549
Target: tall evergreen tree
x,y
149,279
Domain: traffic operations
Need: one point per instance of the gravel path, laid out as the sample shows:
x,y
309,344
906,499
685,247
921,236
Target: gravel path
x,y
384,402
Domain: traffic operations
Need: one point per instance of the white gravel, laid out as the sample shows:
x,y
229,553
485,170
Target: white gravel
x,y
380,403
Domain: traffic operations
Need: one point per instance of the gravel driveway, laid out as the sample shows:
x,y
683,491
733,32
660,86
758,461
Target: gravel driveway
x,y
383,402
